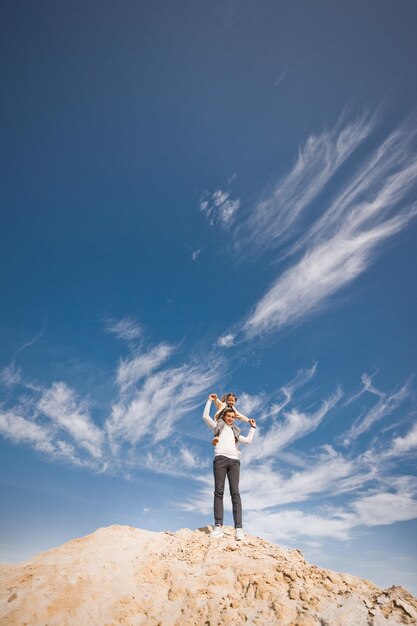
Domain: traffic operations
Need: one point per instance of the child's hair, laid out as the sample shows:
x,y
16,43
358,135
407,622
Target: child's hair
x,y
227,395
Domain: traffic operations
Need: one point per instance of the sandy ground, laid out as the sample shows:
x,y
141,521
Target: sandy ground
x,y
124,575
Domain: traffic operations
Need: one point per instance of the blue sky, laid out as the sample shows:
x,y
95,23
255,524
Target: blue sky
x,y
205,197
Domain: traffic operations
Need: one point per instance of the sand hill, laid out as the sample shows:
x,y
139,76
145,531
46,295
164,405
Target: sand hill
x,y
123,575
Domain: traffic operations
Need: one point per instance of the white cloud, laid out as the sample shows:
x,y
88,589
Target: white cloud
x,y
251,405
405,444
379,185
29,343
10,376
371,509
151,401
374,205
189,459
131,371
325,269
384,508
384,407
290,525
219,207
21,430
296,425
59,403
41,437
287,391
195,254
331,474
162,460
163,399
276,217
367,386
227,341
126,328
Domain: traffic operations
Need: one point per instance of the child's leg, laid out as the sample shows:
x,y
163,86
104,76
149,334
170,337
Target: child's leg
x,y
217,432
236,431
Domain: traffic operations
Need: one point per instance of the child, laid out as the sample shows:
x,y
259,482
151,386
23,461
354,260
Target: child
x,y
227,403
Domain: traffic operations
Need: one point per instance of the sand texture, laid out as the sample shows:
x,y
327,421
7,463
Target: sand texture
x,y
124,575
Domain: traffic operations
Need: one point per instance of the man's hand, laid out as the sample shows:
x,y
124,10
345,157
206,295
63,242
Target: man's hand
x,y
213,396
252,423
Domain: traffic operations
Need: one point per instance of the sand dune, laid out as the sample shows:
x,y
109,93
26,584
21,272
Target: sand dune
x,y
124,575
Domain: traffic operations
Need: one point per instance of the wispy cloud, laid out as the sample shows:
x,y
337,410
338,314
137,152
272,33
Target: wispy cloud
x,y
402,445
275,218
367,386
131,371
332,474
60,404
150,398
10,376
385,406
287,391
54,422
34,339
378,509
295,425
21,430
127,329
291,524
386,507
42,437
372,206
280,78
164,398
163,460
324,270
219,207
252,405
227,341
195,254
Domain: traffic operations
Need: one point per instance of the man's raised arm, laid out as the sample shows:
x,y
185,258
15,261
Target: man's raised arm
x,y
206,414
250,436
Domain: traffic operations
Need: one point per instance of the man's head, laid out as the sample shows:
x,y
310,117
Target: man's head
x,y
229,417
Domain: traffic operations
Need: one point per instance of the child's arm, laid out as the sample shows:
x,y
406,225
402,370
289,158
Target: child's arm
x,y
248,420
240,416
217,402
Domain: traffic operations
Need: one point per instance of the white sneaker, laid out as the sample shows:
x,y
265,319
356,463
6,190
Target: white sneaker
x,y
217,532
239,534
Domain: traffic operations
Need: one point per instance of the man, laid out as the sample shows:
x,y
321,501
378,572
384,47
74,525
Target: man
x,y
226,463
